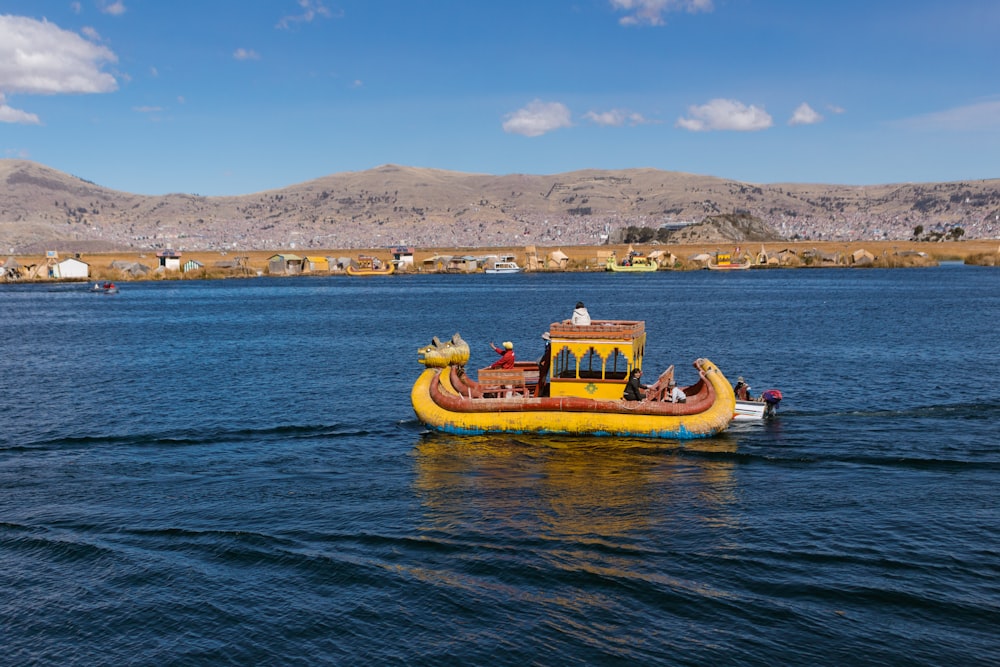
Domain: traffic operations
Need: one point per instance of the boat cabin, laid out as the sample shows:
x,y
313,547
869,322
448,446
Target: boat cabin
x,y
593,361
369,263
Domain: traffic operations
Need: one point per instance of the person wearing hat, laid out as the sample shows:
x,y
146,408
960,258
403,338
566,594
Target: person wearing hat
x,y
742,389
506,353
548,349
677,395
544,362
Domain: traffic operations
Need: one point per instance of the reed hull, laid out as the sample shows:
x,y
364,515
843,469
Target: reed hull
x,y
351,271
635,268
440,406
730,267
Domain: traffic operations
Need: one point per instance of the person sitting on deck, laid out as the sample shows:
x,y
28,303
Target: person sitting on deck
x,y
742,389
634,391
506,353
580,314
677,395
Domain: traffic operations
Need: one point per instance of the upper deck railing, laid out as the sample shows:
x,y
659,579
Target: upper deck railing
x,y
598,330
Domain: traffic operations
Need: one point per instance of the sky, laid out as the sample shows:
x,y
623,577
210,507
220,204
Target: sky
x,y
230,97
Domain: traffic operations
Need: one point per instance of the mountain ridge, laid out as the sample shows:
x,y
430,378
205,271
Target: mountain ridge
x,y
42,208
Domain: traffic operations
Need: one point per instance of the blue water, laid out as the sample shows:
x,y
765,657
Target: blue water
x,y
230,472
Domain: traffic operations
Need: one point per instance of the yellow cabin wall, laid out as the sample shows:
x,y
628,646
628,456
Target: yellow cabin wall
x,y
600,388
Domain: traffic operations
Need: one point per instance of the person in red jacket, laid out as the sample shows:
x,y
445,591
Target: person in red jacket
x,y
506,353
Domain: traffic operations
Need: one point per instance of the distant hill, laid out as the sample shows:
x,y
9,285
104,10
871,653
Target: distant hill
x,y
41,208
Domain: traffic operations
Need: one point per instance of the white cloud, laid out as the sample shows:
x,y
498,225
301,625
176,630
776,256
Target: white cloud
x,y
615,118
246,54
40,58
147,109
310,10
116,8
722,114
972,117
833,108
537,118
804,115
11,115
651,12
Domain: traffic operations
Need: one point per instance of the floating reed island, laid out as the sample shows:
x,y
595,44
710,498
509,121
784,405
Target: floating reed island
x,y
178,264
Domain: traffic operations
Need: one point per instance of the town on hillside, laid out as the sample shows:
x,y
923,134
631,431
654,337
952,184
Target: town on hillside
x,y
42,208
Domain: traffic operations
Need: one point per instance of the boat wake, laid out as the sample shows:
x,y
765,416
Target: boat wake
x,y
976,411
196,437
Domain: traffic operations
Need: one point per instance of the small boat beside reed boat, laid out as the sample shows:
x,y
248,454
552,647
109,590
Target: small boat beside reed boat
x,y
765,407
754,408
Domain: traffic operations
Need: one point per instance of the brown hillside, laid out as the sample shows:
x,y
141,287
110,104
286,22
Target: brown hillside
x,y
41,208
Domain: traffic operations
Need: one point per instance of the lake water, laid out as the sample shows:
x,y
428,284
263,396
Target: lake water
x,y
230,472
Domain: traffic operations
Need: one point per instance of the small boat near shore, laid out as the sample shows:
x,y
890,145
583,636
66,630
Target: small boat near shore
x,y
104,288
366,265
576,388
505,265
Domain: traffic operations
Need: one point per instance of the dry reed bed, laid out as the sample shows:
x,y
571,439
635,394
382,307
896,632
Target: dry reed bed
x,y
887,254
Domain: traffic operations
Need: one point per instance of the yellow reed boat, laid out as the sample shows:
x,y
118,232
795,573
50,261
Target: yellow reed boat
x,y
633,263
367,265
724,262
576,388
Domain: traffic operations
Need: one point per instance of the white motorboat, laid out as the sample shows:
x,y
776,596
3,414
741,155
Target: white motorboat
x,y
763,408
505,267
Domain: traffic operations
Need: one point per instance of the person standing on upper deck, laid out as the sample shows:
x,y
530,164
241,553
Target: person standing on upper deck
x,y
580,314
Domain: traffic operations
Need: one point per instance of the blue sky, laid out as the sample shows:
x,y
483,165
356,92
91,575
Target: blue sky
x,y
222,97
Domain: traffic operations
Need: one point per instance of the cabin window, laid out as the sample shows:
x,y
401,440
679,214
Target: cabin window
x,y
617,368
565,366
591,365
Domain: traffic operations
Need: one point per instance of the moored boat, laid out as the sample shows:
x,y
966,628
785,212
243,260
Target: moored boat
x,y
576,388
633,263
367,265
506,265
724,262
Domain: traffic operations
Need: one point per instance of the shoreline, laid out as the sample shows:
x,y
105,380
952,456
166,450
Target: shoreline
x,y
885,254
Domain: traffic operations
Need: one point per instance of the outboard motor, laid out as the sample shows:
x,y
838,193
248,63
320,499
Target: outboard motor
x,y
772,397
